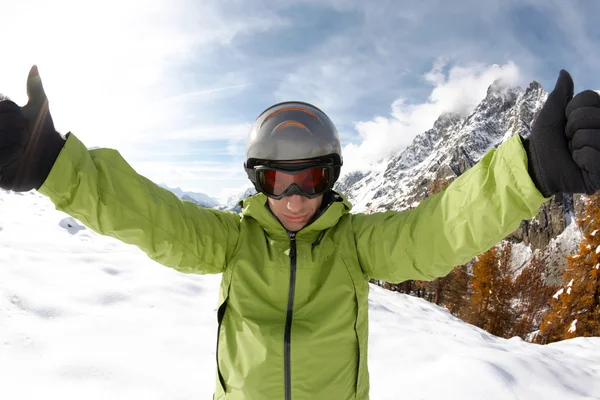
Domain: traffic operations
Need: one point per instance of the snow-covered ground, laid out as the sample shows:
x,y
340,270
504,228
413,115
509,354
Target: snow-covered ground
x,y
86,317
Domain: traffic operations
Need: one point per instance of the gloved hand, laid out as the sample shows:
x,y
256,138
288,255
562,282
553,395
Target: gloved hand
x,y
564,146
29,144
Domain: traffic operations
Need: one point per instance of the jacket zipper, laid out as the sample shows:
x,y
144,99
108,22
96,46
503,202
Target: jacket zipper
x,y
292,291
288,321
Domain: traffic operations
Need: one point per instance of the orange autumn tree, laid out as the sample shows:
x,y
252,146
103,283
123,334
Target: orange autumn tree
x,y
502,293
576,306
481,284
457,292
491,284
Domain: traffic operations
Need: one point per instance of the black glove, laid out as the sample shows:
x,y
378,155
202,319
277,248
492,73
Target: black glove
x,y
29,144
563,149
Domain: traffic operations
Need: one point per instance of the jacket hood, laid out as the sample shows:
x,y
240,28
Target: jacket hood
x,y
256,207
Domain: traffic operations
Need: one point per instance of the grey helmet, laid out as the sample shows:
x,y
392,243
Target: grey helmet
x,y
292,130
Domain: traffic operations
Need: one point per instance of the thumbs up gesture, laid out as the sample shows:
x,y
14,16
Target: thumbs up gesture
x,y
563,148
29,144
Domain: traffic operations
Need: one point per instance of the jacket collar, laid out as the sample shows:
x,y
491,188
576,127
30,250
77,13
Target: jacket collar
x,y
256,207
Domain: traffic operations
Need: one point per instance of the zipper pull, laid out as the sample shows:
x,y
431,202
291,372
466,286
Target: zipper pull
x,y
292,237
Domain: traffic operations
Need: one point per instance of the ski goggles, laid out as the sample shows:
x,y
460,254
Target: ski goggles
x,y
278,181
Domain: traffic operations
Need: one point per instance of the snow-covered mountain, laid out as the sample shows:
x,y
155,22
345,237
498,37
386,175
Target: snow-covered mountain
x,y
233,200
201,199
453,145
448,149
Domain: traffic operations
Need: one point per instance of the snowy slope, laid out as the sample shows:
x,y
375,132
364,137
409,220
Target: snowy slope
x,y
86,317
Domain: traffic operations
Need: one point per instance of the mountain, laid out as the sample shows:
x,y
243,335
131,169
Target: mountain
x,y
448,149
233,200
204,200
453,145
201,199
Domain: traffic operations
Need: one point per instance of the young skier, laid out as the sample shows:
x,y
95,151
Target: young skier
x,y
295,263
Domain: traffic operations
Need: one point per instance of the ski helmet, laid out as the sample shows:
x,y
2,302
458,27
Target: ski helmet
x,y
289,131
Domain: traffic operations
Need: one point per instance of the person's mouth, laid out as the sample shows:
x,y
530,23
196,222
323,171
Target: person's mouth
x,y
295,218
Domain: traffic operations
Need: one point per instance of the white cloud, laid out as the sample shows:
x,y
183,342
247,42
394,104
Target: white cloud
x,y
458,90
109,68
230,132
334,83
198,176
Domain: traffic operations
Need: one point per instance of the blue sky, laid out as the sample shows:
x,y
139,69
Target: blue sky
x,y
175,84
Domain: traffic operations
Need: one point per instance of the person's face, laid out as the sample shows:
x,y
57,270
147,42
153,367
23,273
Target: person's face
x,y
295,211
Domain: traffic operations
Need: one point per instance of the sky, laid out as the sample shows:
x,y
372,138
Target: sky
x,y
175,85
86,316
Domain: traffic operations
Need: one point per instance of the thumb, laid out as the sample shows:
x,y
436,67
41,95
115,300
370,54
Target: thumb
x,y
36,110
35,89
564,87
553,111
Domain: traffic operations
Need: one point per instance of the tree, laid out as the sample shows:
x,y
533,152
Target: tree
x,y
502,316
457,292
531,297
492,291
481,282
437,291
576,305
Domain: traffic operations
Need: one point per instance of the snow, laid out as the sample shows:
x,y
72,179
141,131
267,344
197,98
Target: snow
x,y
597,249
85,316
573,326
557,294
520,257
594,233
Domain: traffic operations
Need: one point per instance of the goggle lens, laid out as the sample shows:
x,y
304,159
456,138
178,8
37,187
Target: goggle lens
x,y
312,181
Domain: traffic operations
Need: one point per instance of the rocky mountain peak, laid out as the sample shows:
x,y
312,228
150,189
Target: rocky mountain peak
x,y
453,145
446,120
501,88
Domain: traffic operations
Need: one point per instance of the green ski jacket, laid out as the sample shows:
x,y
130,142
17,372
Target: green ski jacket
x,y
293,308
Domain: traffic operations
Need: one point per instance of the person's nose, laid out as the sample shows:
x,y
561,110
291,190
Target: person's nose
x,y
295,203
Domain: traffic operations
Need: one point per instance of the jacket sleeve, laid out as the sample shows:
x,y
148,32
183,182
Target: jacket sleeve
x,y
476,211
101,190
